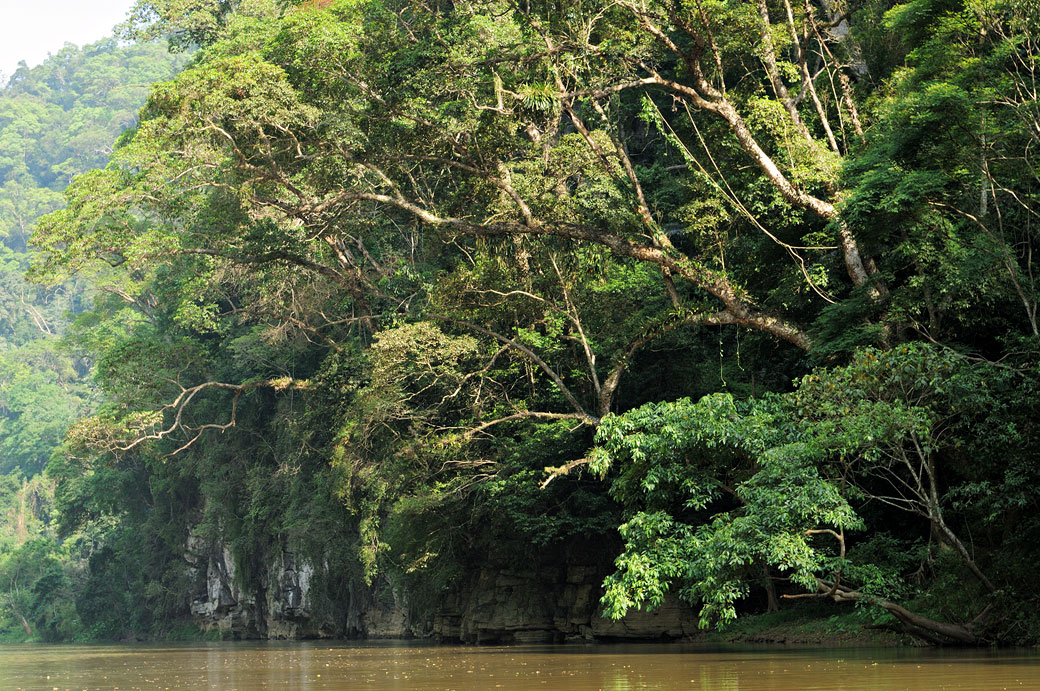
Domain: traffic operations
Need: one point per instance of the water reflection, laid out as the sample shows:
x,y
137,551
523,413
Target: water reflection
x,y
574,668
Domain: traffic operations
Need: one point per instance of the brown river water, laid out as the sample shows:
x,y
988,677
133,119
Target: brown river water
x,y
574,667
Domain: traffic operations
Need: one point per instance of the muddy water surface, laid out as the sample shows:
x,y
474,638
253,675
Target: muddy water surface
x,y
577,667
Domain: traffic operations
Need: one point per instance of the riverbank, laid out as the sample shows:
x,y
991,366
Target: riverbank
x,y
805,624
811,624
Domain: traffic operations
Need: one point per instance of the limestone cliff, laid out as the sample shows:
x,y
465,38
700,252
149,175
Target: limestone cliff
x,y
546,602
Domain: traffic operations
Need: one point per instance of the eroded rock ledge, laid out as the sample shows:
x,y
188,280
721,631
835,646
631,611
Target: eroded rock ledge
x,y
492,604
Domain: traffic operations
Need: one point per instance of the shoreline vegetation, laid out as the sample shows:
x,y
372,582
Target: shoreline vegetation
x,y
820,629
767,630
341,318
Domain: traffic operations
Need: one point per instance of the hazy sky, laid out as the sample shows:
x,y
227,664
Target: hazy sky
x,y
31,29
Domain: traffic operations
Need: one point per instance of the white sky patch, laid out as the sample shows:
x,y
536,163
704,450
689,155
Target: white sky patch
x,y
31,30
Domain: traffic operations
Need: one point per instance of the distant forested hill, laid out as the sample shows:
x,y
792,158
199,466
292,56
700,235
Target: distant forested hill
x,y
58,119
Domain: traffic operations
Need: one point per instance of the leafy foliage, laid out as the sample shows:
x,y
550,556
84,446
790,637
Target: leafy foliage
x,y
379,281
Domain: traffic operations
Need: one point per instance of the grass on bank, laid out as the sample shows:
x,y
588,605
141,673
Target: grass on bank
x,y
810,623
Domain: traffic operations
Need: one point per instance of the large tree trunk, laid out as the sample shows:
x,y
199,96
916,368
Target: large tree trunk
x,y
914,624
772,604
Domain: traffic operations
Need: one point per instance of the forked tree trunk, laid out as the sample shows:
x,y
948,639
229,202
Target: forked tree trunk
x,y
25,626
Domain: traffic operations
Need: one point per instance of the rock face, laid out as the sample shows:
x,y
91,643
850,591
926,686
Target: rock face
x,y
387,616
288,602
547,605
279,605
217,602
493,604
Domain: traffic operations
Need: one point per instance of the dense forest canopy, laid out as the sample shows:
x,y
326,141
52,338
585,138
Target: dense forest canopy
x,y
397,285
